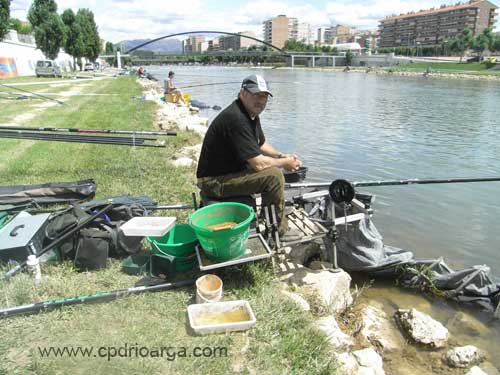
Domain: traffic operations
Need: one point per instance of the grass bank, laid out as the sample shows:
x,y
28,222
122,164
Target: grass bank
x,y
446,67
284,340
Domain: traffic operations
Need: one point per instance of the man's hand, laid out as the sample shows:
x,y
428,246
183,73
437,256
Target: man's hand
x,y
292,163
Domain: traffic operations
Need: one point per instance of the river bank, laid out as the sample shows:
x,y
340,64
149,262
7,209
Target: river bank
x,y
493,77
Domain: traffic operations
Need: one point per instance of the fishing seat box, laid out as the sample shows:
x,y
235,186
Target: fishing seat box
x,y
22,236
249,200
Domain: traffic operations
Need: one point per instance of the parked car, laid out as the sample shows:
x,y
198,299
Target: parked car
x,y
47,68
89,67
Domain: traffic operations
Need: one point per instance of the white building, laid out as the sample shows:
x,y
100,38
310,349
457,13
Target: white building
x,y
321,35
344,47
304,33
18,56
293,28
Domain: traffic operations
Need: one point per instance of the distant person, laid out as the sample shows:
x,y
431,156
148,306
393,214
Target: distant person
x,y
172,90
428,71
140,71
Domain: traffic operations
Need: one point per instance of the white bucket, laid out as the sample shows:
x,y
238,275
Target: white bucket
x,y
208,289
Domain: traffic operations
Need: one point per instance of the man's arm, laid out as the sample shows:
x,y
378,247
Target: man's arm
x,y
270,151
261,162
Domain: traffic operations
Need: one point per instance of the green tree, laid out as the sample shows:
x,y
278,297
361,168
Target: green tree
x,y
110,50
4,17
40,10
74,44
92,41
484,41
49,36
496,44
348,57
49,29
20,26
462,42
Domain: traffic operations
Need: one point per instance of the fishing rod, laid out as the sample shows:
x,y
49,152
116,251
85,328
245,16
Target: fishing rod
x,y
411,181
6,130
32,93
29,135
40,137
87,130
210,84
342,191
91,298
221,83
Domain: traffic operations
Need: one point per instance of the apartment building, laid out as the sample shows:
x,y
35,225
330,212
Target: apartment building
x,y
193,44
321,34
236,42
433,26
213,45
304,33
279,29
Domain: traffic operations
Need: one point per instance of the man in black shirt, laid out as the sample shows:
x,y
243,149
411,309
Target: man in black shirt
x,y
235,158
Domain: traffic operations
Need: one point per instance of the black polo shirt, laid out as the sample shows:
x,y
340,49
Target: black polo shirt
x,y
232,138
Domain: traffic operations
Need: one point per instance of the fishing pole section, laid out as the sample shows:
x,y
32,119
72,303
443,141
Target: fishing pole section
x,y
115,137
343,191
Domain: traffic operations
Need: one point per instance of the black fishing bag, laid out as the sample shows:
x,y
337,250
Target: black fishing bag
x,y
91,246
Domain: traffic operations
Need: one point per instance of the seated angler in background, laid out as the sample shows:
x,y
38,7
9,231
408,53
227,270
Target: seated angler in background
x,y
170,89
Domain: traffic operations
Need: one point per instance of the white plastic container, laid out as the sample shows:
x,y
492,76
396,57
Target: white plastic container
x,y
195,311
33,266
208,289
148,226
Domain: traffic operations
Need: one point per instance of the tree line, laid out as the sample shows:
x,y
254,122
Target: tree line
x,y
459,45
76,33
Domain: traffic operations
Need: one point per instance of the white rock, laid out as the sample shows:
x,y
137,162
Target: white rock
x,y
192,151
331,288
298,299
338,339
377,330
348,365
183,162
196,120
149,96
463,356
422,328
476,371
360,362
368,358
287,269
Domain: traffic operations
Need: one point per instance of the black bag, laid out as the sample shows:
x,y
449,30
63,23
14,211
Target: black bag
x,y
92,249
92,245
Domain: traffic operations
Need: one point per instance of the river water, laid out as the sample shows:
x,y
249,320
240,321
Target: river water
x,y
359,127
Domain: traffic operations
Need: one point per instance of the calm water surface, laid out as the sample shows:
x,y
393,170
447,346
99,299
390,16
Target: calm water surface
x,y
361,127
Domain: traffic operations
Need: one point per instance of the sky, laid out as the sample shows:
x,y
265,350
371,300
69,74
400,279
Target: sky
x,y
119,20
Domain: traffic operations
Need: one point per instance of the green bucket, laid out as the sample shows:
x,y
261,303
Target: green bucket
x,y
180,241
228,243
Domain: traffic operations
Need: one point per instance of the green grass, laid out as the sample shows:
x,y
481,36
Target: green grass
x,y
283,341
446,67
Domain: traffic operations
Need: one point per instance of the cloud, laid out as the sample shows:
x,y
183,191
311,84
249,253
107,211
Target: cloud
x,y
134,19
